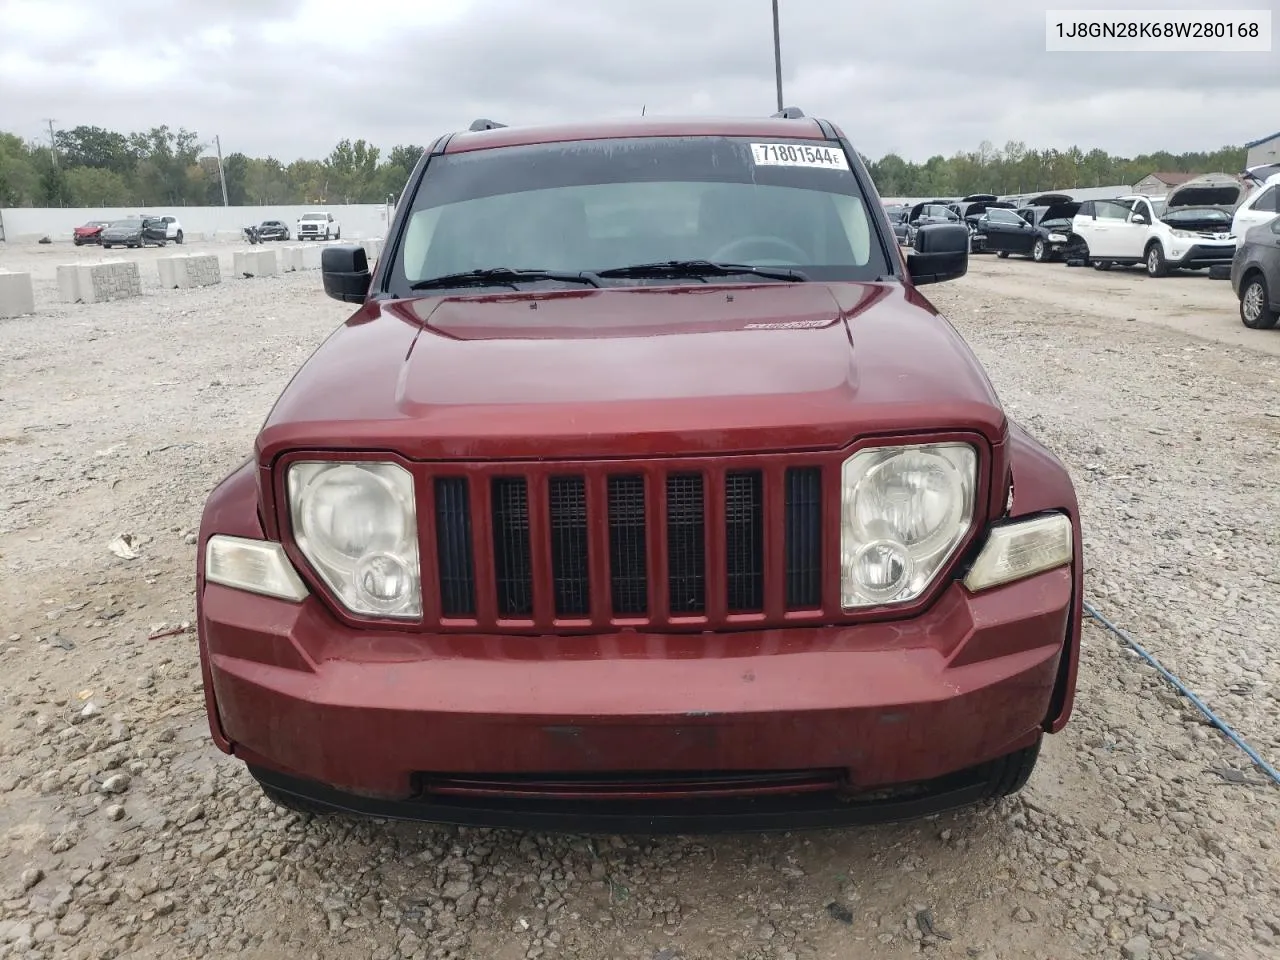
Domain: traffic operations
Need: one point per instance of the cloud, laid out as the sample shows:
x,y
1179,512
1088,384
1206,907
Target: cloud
x,y
289,78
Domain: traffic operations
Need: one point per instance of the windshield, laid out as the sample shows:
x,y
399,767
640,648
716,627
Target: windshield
x,y
600,205
1157,207
1001,215
127,224
315,216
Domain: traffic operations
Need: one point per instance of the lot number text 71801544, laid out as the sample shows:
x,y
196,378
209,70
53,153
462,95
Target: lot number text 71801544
x,y
798,155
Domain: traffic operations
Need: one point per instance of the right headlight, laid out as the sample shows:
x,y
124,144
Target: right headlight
x,y
904,510
356,521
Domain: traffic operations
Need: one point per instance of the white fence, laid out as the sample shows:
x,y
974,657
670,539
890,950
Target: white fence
x,y
24,224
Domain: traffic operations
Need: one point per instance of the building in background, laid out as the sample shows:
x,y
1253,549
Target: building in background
x,y
1159,184
1264,151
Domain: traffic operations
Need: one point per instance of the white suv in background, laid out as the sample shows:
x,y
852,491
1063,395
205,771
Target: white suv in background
x,y
172,228
1262,207
318,226
1189,230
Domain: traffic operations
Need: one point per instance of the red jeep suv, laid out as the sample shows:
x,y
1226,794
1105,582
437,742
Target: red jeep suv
x,y
642,492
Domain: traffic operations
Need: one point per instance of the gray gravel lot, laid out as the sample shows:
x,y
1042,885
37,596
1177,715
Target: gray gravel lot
x,y
127,835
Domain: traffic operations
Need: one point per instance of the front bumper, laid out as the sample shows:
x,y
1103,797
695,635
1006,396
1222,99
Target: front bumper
x,y
504,730
1203,255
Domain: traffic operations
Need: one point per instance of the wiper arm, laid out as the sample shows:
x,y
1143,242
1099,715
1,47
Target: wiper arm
x,y
506,276
700,269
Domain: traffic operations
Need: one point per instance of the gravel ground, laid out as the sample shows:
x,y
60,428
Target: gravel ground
x,y
1143,834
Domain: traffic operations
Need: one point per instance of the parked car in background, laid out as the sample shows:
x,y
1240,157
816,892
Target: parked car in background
x,y
898,213
773,553
970,210
930,212
1041,233
1262,206
1255,276
135,232
1189,229
90,232
318,226
172,228
273,230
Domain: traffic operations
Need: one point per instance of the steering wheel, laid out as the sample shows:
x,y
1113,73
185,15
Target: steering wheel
x,y
735,251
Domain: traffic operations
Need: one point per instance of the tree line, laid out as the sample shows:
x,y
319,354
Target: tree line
x,y
94,167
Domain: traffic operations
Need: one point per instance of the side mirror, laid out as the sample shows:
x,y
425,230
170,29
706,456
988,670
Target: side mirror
x,y
941,253
1139,218
345,269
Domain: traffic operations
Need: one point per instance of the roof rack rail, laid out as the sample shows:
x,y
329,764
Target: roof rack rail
x,y
483,124
789,113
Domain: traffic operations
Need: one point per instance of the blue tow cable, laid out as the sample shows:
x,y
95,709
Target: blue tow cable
x,y
1213,718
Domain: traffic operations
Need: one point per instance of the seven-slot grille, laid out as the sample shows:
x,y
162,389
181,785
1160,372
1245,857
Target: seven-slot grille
x,y
573,547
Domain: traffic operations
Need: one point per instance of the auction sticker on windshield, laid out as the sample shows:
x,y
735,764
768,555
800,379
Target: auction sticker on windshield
x,y
798,155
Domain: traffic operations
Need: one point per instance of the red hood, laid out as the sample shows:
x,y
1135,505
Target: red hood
x,y
634,371
87,231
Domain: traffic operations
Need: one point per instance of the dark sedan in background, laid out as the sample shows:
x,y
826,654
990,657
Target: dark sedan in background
x,y
898,213
970,210
135,233
1255,276
1041,233
273,230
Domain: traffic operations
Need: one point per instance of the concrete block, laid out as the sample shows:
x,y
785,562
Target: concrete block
x,y
97,282
300,257
254,263
17,297
290,259
189,270
372,248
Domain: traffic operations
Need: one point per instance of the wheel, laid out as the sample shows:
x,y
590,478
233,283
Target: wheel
x,y
1157,265
1102,264
1255,304
1003,254
1011,772
106,246
338,235
1039,252
178,238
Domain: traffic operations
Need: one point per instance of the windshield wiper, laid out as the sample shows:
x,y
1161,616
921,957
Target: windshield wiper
x,y
700,269
506,276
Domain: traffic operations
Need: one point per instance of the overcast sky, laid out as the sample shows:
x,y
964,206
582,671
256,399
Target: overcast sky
x,y
918,77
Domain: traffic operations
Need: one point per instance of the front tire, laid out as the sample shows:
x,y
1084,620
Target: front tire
x,y
1039,252
1157,265
178,238
1255,304
1011,772
1102,264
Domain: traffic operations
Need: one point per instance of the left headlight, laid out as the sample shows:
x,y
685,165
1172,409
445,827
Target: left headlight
x,y
356,521
1184,234
1057,238
904,510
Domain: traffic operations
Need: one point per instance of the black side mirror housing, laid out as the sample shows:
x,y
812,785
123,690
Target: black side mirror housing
x,y
345,269
941,253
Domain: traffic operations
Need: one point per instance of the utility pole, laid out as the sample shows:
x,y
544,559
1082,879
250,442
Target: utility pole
x,y
222,177
53,144
777,54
